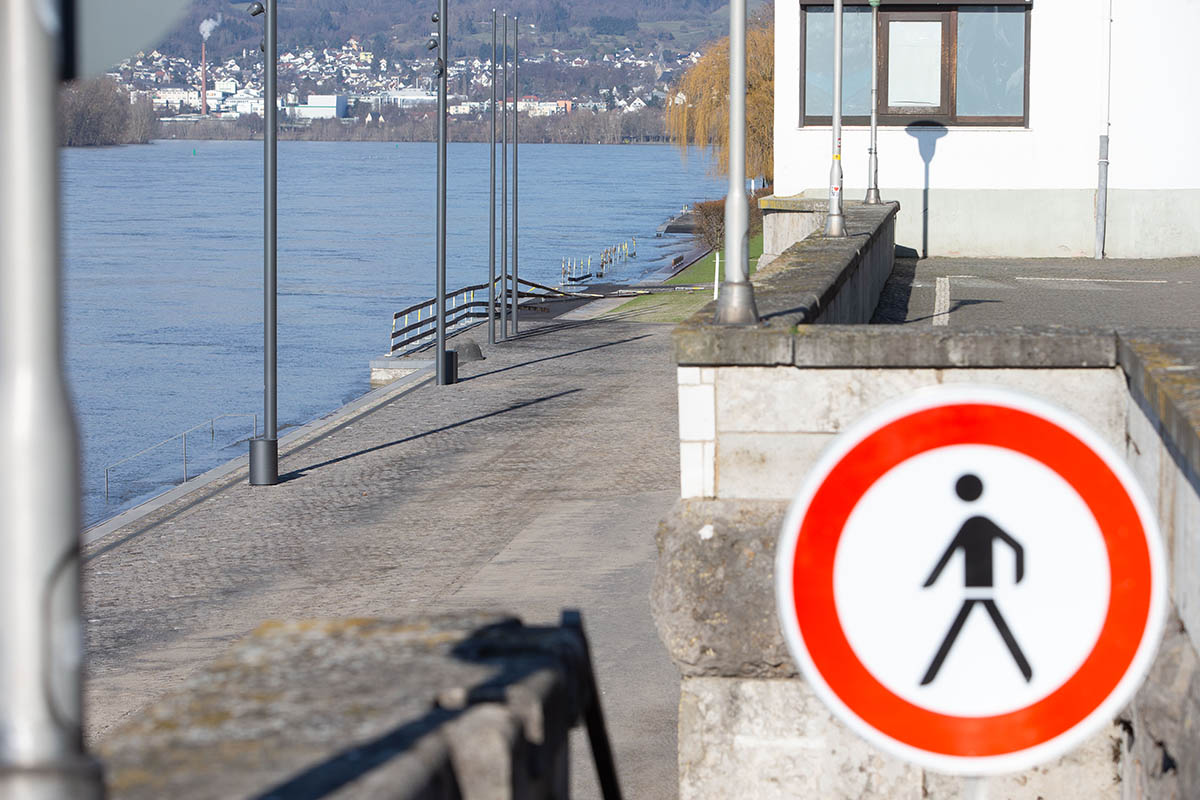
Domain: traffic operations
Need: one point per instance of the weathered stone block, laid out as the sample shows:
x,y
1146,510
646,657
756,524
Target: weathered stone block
x,y
713,595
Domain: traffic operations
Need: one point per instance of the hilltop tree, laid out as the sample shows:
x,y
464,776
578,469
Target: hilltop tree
x,y
698,109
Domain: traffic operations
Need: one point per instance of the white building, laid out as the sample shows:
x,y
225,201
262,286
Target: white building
x,y
1016,98
321,106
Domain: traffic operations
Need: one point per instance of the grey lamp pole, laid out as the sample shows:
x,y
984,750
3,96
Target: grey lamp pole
x,y
41,630
835,220
264,450
492,204
516,183
735,305
504,184
873,164
442,71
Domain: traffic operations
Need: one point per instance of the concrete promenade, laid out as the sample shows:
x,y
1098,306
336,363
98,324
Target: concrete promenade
x,y
534,484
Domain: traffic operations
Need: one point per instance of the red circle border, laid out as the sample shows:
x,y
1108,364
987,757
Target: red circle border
x,y
983,424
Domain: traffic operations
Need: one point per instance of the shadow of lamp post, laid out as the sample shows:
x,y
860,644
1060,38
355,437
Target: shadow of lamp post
x,y
926,134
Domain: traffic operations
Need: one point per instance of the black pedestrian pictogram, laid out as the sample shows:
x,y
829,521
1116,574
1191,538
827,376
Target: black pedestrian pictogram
x,y
975,539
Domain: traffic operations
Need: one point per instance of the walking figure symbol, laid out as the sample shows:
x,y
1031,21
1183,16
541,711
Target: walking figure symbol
x,y
975,539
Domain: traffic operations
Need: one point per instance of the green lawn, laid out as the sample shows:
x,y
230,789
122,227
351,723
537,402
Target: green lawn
x,y
702,270
666,307
679,305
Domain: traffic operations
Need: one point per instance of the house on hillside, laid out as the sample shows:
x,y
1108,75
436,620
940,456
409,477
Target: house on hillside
x,y
991,118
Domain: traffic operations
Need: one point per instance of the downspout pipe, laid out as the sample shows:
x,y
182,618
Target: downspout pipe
x,y
1102,182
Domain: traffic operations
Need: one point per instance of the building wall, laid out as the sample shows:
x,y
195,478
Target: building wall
x,y
1031,191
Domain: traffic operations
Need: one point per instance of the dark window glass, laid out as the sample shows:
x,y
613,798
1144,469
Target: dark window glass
x,y
856,62
991,61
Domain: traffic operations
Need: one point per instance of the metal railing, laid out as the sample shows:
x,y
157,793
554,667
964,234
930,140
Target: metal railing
x,y
211,424
414,328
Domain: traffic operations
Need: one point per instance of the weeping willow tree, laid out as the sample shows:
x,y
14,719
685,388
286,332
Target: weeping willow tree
x,y
698,112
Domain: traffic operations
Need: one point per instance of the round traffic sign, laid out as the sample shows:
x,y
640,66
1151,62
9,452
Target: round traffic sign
x,y
971,579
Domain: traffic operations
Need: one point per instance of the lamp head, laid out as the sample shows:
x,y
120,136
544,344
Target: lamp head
x,y
255,9
431,44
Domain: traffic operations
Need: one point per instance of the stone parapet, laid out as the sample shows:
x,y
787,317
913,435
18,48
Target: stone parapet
x,y
436,707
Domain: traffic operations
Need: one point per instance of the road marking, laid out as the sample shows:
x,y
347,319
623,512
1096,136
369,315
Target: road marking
x,y
1093,280
941,302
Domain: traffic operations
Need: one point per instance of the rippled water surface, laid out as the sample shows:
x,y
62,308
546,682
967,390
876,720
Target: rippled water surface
x,y
163,273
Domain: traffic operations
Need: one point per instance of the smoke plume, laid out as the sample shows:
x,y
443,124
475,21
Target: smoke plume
x,y
208,26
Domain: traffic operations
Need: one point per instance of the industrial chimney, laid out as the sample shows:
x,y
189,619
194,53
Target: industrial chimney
x,y
203,79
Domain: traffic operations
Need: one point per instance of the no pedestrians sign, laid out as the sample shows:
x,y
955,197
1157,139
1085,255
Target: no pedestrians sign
x,y
972,580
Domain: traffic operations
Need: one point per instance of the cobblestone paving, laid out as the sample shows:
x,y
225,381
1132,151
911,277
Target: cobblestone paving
x,y
533,484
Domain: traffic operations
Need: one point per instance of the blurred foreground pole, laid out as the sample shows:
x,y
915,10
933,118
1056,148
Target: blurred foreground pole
x,y
41,633
735,306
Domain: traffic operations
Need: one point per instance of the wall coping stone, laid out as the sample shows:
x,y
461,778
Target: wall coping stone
x,y
798,285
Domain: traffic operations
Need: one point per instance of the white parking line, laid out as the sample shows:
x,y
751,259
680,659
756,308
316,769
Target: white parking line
x,y
1093,280
941,302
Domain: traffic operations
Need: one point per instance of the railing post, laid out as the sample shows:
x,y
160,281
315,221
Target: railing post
x,y
106,485
185,456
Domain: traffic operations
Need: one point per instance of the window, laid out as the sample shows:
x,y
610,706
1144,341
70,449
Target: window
x,y
965,63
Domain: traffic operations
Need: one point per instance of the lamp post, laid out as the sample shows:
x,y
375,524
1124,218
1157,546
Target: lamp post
x,y
873,163
41,630
264,450
735,306
516,183
441,70
492,204
504,184
835,220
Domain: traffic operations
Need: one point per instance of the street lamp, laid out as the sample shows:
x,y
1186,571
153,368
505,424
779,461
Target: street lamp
x,y
873,163
735,305
264,450
835,219
446,364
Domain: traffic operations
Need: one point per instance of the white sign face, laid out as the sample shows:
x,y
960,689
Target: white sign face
x,y
972,580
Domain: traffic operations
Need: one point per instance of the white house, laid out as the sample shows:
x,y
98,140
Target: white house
x,y
321,106
991,119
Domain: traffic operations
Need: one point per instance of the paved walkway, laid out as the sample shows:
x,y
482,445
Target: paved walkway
x,y
534,484
962,292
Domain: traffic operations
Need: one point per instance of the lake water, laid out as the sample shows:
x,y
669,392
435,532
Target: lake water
x,y
163,274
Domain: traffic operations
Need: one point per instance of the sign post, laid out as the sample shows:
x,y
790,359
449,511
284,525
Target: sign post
x,y
972,580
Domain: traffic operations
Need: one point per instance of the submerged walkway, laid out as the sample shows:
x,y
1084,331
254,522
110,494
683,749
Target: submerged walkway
x,y
534,484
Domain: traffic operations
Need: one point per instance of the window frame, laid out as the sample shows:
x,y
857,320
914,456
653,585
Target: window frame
x,y
918,11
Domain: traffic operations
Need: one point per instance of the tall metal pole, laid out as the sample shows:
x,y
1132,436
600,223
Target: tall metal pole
x,y
41,630
504,184
492,204
443,70
735,306
264,451
835,220
873,163
516,183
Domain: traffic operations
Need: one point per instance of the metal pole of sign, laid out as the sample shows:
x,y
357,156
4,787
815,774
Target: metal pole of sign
x,y
835,220
735,306
442,71
492,204
873,164
516,182
264,451
41,630
504,183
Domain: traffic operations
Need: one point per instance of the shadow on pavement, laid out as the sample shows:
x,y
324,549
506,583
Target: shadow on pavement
x,y
299,473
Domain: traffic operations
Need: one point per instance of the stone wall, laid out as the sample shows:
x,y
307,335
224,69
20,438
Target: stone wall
x,y
756,408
